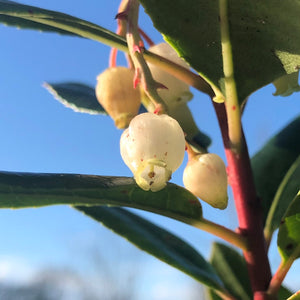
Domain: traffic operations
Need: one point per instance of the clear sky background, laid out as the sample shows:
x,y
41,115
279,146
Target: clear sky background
x,y
39,134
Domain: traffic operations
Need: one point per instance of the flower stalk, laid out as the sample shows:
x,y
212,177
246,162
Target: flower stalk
x,y
136,49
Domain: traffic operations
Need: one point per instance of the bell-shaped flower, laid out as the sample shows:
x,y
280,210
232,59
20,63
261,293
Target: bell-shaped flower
x,y
115,92
153,148
206,177
177,91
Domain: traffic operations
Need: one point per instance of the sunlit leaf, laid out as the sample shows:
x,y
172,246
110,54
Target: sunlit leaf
x,y
289,231
287,85
232,269
156,241
272,162
77,96
284,195
265,38
21,190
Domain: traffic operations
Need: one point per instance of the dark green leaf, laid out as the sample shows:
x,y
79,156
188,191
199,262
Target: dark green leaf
x,y
284,293
77,96
287,85
273,161
20,190
284,195
289,231
265,38
232,269
156,241
31,17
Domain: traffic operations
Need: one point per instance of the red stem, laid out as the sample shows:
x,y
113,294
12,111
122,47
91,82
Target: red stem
x,y
113,57
146,37
248,209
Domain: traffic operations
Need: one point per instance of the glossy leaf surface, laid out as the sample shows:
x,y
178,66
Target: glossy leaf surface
x,y
272,162
265,41
21,190
156,241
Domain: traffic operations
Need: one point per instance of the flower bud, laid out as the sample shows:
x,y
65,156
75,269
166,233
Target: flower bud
x,y
152,147
115,92
205,176
177,91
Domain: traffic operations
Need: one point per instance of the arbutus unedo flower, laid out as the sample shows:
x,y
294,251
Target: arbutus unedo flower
x,y
177,91
115,92
153,148
206,177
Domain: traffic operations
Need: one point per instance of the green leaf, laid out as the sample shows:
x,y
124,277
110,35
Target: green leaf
x,y
273,161
284,195
289,231
287,85
232,269
296,296
156,241
21,190
265,38
31,17
77,96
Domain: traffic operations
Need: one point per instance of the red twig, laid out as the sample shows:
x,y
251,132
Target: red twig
x,y
248,209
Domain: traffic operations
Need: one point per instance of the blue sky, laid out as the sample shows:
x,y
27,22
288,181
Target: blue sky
x,y
38,134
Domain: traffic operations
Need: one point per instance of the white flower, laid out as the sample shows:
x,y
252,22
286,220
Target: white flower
x,y
205,176
153,148
177,91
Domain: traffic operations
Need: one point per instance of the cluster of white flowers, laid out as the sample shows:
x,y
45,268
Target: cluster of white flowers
x,y
153,146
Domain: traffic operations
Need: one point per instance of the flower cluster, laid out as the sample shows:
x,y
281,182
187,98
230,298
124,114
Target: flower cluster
x,y
153,145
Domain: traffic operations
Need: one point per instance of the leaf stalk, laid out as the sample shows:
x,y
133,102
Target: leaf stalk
x,y
281,272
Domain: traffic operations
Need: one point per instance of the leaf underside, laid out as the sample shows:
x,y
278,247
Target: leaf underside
x,y
156,241
265,38
31,17
77,96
